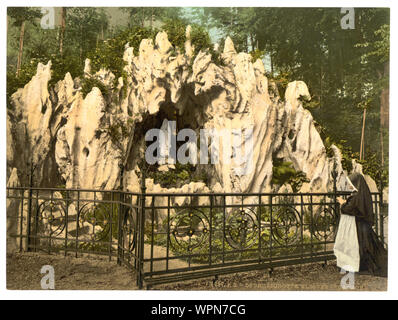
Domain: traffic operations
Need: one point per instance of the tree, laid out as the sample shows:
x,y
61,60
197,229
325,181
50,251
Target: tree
x,y
377,61
84,25
62,30
80,36
141,15
22,15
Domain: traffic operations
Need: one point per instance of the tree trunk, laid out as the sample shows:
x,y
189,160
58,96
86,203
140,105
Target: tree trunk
x,y
21,36
382,148
384,111
142,17
62,31
320,83
151,18
252,42
362,148
81,45
272,64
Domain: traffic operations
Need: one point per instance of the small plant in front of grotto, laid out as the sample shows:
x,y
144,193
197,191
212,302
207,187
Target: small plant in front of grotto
x,y
283,172
178,176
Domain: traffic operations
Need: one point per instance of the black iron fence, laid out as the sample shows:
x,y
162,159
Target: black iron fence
x,y
72,220
172,237
186,236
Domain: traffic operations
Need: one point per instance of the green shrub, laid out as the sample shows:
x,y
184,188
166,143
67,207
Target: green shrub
x,y
89,83
283,172
346,151
372,167
175,178
281,80
109,53
200,38
175,29
119,131
59,67
257,54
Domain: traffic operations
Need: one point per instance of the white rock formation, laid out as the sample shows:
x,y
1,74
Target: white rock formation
x,y
70,141
84,149
29,125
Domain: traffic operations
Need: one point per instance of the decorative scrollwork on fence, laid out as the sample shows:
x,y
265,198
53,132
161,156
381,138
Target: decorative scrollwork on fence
x,y
96,221
51,219
285,224
189,229
325,223
241,228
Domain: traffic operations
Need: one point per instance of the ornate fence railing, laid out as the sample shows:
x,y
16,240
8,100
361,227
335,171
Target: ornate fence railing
x,y
172,237
71,220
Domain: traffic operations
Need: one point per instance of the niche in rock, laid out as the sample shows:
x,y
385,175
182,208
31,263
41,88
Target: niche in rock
x,y
86,152
186,116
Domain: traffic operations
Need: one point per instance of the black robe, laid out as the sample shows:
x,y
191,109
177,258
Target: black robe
x,y
373,255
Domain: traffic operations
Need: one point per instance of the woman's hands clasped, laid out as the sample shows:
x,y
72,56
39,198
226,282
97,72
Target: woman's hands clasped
x,y
340,200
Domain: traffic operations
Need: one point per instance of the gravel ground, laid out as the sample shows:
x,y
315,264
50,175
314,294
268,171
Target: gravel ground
x,y
97,273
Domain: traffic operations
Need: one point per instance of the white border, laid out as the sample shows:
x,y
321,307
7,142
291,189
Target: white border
x,y
198,295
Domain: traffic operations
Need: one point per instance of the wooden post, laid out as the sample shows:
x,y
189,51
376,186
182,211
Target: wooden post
x,y
362,148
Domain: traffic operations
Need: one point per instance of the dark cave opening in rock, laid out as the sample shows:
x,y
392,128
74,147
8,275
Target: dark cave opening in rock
x,y
177,174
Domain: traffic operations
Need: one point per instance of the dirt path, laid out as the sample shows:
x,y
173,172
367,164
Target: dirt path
x,y
97,273
311,277
86,273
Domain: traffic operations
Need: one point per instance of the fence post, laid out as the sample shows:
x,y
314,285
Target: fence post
x,y
141,232
29,215
120,237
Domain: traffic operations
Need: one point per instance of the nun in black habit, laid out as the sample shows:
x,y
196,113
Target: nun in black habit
x,y
373,255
